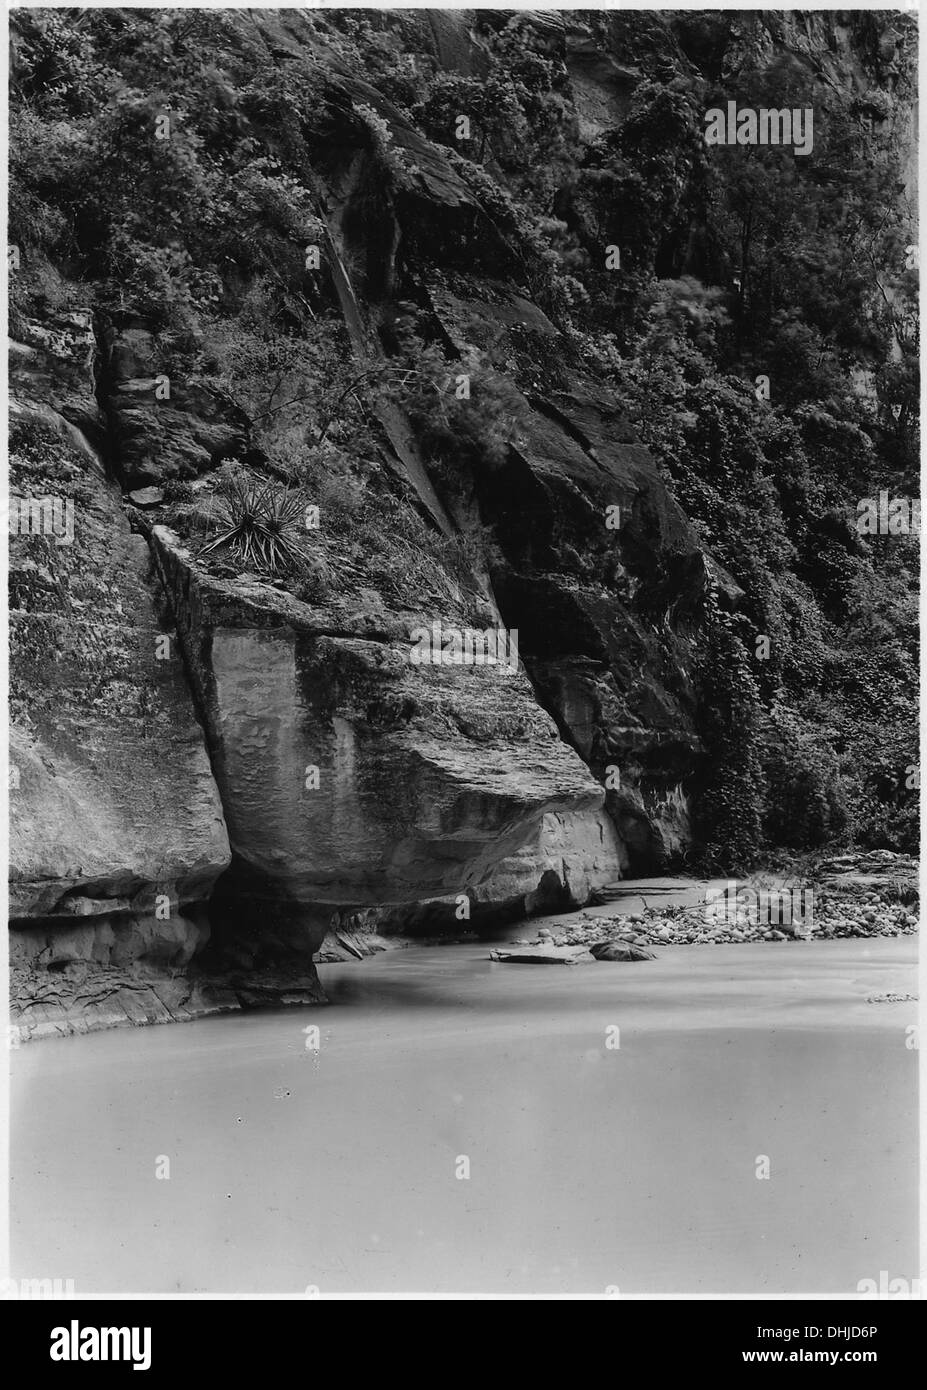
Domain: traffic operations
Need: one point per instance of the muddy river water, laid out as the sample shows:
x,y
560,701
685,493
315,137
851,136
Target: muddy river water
x,y
735,1119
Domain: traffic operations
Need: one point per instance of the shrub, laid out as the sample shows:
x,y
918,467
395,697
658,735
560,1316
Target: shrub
x,y
177,490
729,800
262,524
805,801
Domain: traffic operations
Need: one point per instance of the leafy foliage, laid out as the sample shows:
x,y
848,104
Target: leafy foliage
x,y
732,788
735,263
261,523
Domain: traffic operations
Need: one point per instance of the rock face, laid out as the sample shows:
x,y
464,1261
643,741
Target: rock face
x,y
601,574
116,828
599,569
352,777
161,428
352,783
212,767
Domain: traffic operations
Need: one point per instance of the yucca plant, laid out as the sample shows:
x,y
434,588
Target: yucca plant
x,y
262,524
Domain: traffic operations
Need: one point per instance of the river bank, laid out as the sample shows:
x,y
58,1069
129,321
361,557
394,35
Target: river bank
x,y
803,897
873,894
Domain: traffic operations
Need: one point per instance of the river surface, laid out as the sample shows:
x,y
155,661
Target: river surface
x,y
591,1166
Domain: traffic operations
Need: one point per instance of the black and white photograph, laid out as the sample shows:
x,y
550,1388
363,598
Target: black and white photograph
x,y
463,481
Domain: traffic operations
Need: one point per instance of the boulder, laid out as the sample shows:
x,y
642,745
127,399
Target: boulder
x,y
542,955
351,776
147,497
620,950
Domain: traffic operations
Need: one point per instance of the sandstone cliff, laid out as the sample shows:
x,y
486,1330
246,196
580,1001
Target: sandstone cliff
x,y
117,835
256,749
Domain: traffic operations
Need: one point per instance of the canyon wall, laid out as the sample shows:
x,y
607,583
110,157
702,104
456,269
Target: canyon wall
x,y
212,763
